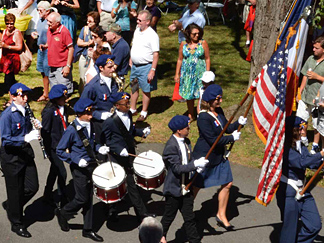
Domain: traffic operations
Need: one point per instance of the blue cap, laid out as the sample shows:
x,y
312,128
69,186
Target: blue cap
x,y
105,59
115,97
57,91
212,92
178,122
295,121
18,89
82,105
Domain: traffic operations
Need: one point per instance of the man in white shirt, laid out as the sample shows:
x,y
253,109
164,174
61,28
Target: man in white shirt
x,y
192,15
144,59
104,9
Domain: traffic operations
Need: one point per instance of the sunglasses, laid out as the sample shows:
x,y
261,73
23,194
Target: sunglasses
x,y
10,23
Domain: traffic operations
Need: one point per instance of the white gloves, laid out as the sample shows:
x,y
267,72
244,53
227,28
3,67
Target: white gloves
x,y
236,135
105,115
200,169
83,163
103,150
242,120
34,134
201,162
37,124
124,153
147,131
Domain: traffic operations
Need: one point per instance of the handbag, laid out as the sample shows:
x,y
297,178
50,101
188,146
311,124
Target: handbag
x,y
176,95
79,50
26,58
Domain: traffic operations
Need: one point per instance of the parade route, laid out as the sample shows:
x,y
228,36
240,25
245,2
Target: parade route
x,y
253,222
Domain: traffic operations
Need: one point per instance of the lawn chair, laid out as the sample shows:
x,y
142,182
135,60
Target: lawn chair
x,y
217,5
167,5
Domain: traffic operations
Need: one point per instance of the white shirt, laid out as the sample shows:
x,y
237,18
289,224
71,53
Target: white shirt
x,y
61,109
21,109
106,5
107,80
145,43
86,125
125,118
182,149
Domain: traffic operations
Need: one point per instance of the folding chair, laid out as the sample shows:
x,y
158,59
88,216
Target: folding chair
x,y
217,5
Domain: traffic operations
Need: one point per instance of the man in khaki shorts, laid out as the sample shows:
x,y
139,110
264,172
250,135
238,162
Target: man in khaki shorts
x,y
104,9
313,71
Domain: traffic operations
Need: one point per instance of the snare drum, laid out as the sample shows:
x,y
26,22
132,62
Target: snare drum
x,y
149,173
107,186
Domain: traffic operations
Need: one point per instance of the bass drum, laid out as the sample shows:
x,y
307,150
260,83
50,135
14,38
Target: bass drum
x,y
149,170
109,182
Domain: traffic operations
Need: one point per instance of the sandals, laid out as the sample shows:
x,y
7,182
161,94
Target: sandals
x,y
43,98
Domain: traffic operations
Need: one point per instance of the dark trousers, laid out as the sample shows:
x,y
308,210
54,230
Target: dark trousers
x,y
9,80
21,180
185,205
292,210
83,195
57,170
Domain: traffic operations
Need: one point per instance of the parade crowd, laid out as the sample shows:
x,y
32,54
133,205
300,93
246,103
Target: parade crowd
x,y
106,49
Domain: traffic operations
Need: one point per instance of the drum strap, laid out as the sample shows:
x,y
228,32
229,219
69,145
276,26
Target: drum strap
x,y
85,142
126,135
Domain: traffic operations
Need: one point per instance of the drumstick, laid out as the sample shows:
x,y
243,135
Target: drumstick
x,y
101,177
134,155
112,168
144,165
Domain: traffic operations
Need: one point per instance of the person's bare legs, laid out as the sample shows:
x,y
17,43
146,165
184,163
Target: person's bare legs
x,y
146,101
191,109
316,136
44,96
223,196
133,101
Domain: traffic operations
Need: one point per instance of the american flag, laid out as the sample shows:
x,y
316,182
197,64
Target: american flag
x,y
275,89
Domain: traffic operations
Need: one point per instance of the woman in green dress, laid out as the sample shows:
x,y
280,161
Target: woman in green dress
x,y
192,62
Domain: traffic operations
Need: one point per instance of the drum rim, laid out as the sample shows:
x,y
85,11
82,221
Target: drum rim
x,y
151,176
105,188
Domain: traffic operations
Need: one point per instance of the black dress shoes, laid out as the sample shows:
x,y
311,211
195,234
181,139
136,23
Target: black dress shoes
x,y
21,231
61,220
92,235
221,224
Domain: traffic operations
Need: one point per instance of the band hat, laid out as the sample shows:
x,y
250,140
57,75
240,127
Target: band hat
x,y
179,122
104,59
57,91
18,89
44,4
208,76
212,92
295,121
113,27
82,105
115,97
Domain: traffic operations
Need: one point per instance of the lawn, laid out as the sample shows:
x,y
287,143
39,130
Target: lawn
x,y
227,51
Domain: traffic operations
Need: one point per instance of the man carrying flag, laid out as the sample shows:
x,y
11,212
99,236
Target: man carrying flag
x,y
275,89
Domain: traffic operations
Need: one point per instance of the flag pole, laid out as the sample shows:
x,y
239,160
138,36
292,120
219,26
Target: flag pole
x,y
240,126
311,180
218,138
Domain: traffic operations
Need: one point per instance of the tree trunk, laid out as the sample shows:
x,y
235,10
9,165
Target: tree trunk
x,y
268,16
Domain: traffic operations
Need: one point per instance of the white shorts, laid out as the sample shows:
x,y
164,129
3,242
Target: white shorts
x,y
304,111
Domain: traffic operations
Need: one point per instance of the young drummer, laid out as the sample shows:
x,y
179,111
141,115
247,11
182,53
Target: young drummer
x,y
118,134
17,157
78,138
54,122
179,162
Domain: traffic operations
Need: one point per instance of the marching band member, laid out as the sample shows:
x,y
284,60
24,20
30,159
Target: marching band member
x,y
17,157
296,159
118,134
78,138
54,123
179,162
99,89
210,123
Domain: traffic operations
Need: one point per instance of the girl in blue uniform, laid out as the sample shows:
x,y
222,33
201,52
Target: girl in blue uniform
x,y
295,161
218,172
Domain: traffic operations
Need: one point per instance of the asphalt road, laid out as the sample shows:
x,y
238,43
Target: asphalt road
x,y
253,222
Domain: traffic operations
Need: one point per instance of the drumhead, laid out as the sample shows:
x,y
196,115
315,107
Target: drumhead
x,y
104,178
148,168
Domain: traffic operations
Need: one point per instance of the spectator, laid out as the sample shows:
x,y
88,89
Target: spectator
x,y
144,59
123,10
154,10
120,49
192,62
105,9
207,79
93,70
60,52
150,230
192,15
44,9
68,18
11,44
86,41
98,35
